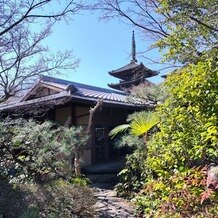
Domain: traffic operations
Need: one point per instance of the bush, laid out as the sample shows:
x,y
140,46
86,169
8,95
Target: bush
x,y
173,181
180,195
56,199
80,181
188,135
132,177
40,152
186,142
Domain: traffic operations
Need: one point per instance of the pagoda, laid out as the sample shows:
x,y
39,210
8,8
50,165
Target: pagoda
x,y
131,74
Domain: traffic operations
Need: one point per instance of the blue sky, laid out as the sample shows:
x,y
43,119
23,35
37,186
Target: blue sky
x,y
101,46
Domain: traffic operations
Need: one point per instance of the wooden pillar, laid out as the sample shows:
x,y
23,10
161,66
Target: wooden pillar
x,y
106,143
73,114
92,144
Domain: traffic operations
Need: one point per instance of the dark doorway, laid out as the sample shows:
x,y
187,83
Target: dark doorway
x,y
100,142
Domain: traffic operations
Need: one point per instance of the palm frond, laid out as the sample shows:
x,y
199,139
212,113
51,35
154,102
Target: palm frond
x,y
119,129
142,122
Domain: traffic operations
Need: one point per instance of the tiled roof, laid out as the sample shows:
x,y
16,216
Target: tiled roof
x,y
87,91
39,101
122,85
68,89
131,68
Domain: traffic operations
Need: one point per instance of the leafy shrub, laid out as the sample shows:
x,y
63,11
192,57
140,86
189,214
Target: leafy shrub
x,y
132,177
187,141
180,195
57,199
188,133
68,200
172,182
80,181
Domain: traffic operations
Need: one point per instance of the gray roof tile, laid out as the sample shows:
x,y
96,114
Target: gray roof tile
x,y
71,90
87,90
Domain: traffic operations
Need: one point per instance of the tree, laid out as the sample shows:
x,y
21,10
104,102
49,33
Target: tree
x,y
23,27
147,94
185,144
133,175
188,133
182,30
78,140
42,152
29,11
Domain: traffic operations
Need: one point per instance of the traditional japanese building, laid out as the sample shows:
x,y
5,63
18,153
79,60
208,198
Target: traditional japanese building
x,y
131,74
61,101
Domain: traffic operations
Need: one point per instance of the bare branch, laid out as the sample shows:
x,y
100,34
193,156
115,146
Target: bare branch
x,y
203,24
24,10
92,111
134,12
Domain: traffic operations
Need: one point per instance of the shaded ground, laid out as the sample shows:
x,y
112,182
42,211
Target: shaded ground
x,y
56,199
109,205
103,168
104,177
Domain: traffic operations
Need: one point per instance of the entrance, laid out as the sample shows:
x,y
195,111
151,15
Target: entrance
x,y
100,143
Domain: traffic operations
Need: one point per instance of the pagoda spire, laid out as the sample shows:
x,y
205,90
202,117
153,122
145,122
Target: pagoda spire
x,y
133,48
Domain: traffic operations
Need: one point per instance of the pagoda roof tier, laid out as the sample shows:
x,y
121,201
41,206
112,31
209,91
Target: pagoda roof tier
x,y
132,68
122,85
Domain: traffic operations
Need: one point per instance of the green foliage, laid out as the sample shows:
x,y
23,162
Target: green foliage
x,y
188,120
119,129
80,181
140,123
187,140
55,199
41,152
132,177
166,176
192,28
130,141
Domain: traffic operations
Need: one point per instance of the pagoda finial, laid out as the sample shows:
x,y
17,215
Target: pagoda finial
x,y
133,48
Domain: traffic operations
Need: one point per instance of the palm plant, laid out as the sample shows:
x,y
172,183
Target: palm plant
x,y
139,124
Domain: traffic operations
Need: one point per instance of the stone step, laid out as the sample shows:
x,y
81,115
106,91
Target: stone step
x,y
109,205
103,178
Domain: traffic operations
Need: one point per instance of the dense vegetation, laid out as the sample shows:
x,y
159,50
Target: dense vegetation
x,y
55,199
37,175
40,152
168,175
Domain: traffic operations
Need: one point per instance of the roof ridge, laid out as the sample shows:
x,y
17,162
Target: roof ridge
x,y
46,78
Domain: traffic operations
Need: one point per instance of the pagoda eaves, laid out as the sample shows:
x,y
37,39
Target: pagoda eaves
x,y
124,85
131,74
129,70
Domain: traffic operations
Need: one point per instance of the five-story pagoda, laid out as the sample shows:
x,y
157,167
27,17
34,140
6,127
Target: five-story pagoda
x,y
131,74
